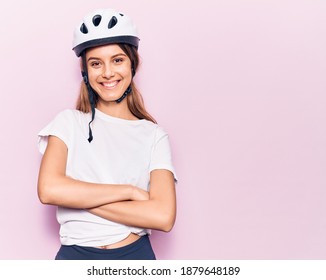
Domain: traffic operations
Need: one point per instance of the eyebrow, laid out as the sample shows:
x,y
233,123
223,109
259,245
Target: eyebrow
x,y
114,56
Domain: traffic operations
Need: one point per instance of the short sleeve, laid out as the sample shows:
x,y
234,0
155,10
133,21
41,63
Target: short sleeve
x,y
61,126
161,157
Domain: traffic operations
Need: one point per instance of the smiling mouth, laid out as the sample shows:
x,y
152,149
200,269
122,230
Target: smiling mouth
x,y
110,85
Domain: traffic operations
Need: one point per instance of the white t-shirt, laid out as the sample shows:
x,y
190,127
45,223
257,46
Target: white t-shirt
x,y
122,152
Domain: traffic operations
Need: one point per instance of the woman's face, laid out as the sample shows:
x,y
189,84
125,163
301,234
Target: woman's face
x,y
109,71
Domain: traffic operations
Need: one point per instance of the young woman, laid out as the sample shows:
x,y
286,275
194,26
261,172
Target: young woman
x,y
107,165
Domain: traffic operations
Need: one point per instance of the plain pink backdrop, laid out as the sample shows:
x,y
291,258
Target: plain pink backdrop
x,y
239,86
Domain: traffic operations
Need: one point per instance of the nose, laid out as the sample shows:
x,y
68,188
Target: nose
x,y
107,71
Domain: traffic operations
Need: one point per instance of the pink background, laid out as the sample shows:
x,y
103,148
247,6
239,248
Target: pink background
x,y
239,86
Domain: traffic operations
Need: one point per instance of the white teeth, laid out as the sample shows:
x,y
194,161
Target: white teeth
x,y
111,84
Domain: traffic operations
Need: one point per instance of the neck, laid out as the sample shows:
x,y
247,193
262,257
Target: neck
x,y
117,110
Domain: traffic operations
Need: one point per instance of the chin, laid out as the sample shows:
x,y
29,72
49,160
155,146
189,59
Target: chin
x,y
109,99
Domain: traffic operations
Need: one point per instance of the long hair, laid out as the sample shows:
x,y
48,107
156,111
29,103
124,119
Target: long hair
x,y
134,98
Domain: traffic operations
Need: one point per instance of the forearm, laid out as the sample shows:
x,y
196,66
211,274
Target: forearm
x,y
145,214
68,192
158,212
55,188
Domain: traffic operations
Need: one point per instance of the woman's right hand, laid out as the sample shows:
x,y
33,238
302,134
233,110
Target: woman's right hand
x,y
139,194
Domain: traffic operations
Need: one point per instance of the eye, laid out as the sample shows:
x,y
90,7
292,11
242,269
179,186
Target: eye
x,y
118,60
95,64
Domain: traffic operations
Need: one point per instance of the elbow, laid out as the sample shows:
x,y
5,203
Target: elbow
x,y
167,222
167,227
44,200
43,197
165,216
43,193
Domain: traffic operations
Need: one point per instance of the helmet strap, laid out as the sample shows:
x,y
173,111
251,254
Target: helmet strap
x,y
124,95
91,94
128,90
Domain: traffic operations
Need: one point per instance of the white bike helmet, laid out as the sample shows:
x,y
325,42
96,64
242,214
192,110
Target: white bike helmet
x,y
103,27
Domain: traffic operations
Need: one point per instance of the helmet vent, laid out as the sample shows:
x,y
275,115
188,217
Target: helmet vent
x,y
113,22
83,29
121,14
97,20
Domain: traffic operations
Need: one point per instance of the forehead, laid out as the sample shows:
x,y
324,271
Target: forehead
x,y
104,51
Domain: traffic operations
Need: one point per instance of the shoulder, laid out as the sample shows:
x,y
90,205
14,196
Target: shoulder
x,y
156,129
160,132
71,115
65,121
62,126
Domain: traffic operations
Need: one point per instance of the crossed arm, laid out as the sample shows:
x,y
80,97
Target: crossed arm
x,y
124,204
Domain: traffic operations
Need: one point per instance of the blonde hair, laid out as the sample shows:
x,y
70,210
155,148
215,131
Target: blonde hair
x,y
134,98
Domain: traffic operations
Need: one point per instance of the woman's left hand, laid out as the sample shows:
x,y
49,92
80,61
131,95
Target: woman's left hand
x,y
139,194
